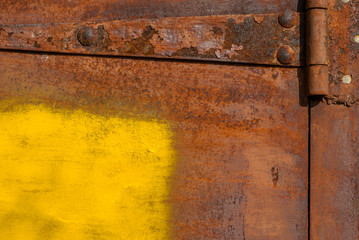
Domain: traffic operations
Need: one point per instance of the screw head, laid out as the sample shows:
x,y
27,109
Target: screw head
x,y
287,19
285,55
347,79
356,38
86,36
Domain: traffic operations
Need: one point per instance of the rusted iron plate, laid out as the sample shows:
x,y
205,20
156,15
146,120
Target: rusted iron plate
x,y
334,132
45,11
343,24
233,38
334,172
240,146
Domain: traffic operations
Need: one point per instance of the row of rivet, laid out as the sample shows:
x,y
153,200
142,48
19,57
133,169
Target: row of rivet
x,y
285,53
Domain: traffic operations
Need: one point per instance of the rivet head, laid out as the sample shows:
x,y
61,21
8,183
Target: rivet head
x,y
345,1
356,38
285,55
86,36
347,79
287,19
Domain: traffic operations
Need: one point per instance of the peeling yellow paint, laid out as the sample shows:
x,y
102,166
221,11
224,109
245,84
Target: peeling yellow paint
x,y
68,174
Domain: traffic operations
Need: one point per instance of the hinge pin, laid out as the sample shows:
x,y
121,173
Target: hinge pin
x,y
317,47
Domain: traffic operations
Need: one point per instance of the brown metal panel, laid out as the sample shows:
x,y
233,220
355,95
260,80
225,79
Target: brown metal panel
x,y
334,132
334,172
45,11
240,133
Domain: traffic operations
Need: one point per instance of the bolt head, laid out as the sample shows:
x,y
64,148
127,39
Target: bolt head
x,y
356,38
287,19
86,36
347,79
285,55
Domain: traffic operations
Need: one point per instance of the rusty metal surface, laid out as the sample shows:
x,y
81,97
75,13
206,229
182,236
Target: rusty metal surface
x,y
334,132
45,11
343,24
334,172
253,38
241,146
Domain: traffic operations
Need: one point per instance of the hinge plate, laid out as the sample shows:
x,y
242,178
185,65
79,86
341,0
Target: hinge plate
x,y
252,39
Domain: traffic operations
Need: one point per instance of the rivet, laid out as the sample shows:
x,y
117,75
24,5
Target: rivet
x,y
86,36
287,19
285,55
356,38
347,79
345,1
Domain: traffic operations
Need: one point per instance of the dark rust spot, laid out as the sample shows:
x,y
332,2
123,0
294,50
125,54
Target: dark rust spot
x,y
49,39
193,52
287,19
238,33
275,175
10,34
217,31
285,55
141,44
187,52
37,45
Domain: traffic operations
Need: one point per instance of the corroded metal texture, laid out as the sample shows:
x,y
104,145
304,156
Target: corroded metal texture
x,y
334,132
241,147
343,24
45,11
334,172
253,38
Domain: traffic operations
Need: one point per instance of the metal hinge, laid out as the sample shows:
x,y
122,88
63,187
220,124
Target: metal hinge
x,y
317,47
267,39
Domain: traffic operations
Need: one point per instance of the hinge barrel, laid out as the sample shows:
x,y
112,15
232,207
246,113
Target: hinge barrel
x,y
317,47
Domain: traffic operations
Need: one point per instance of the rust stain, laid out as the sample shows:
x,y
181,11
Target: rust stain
x,y
275,176
193,52
217,31
346,100
141,44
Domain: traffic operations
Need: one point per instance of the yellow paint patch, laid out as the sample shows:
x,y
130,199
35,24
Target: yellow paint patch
x,y
73,175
